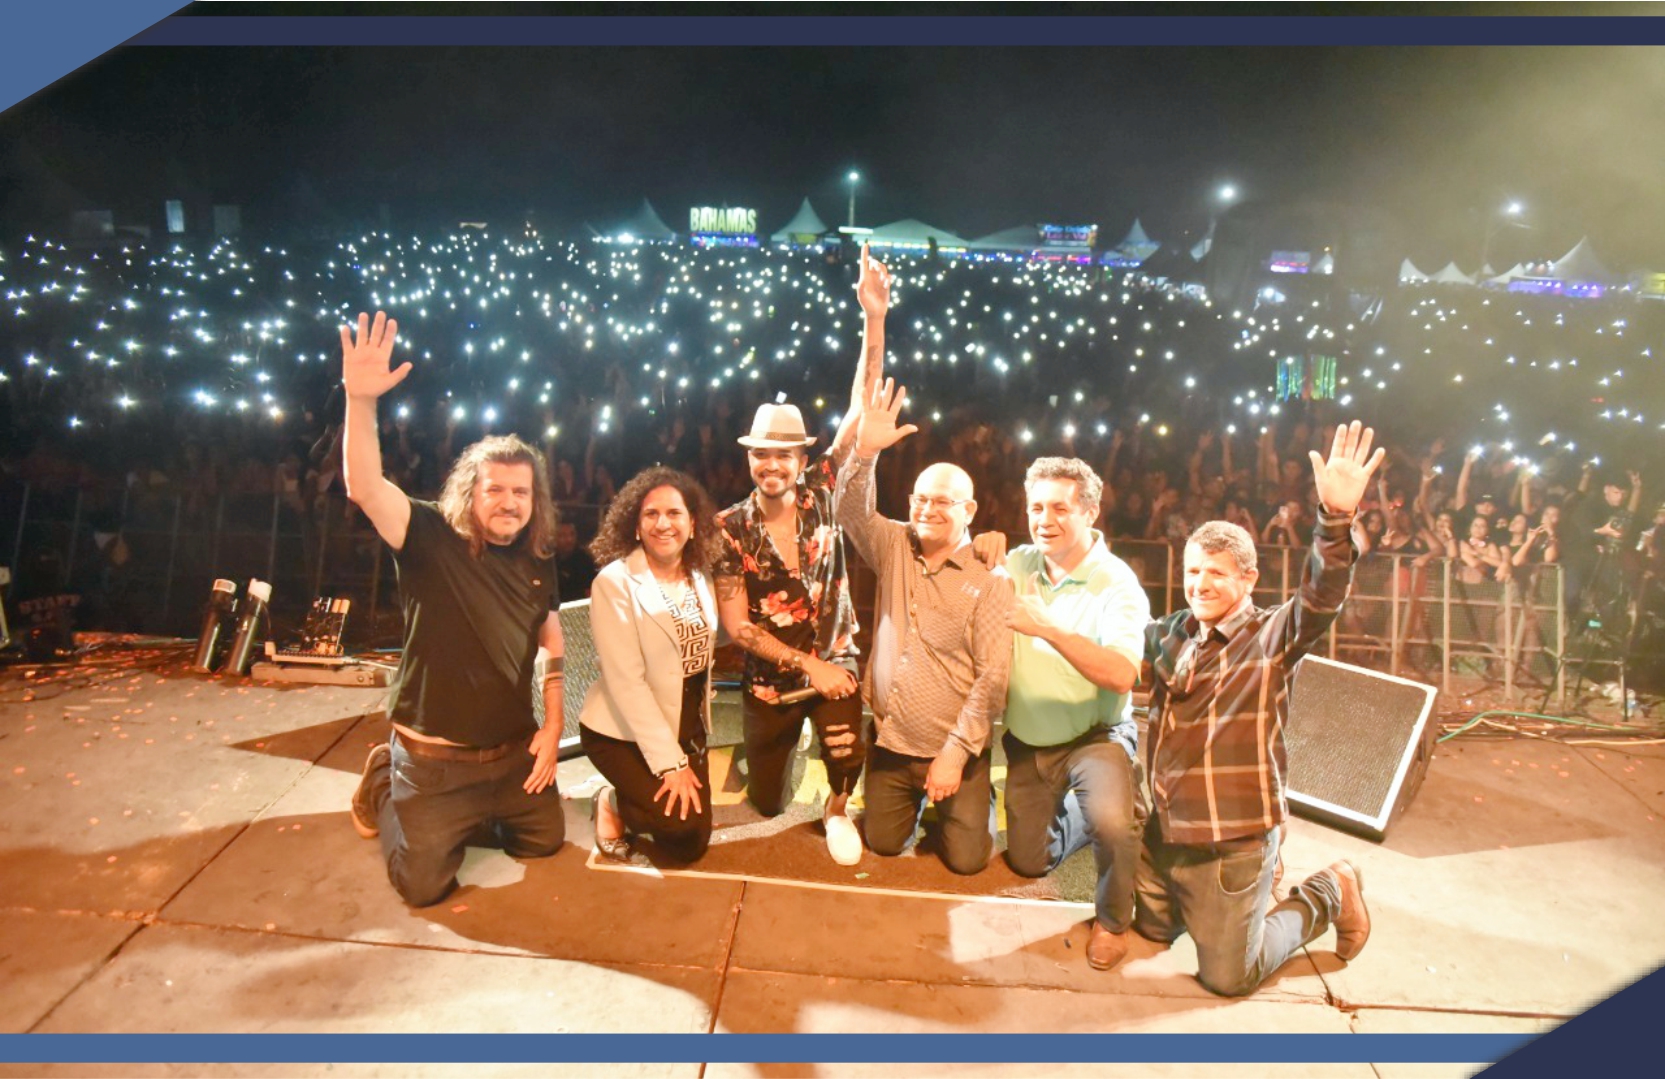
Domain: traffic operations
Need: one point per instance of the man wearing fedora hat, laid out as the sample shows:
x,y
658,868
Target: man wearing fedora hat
x,y
783,594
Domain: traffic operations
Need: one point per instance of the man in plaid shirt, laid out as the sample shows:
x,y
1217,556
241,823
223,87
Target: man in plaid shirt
x,y
1215,747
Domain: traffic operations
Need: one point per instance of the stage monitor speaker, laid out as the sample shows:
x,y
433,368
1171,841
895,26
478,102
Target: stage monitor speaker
x,y
580,668
1359,744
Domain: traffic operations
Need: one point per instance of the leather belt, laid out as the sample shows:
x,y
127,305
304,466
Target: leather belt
x,y
438,751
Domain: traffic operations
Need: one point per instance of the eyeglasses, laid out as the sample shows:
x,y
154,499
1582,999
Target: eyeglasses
x,y
941,505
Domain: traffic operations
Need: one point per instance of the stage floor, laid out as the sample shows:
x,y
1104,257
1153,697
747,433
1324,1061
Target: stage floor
x,y
177,857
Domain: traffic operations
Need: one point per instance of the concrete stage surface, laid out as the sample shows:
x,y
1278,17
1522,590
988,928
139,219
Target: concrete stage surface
x,y
177,857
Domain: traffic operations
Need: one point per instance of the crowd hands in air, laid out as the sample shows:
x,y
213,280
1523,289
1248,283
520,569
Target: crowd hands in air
x,y
122,386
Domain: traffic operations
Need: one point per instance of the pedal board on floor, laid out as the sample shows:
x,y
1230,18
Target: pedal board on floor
x,y
358,673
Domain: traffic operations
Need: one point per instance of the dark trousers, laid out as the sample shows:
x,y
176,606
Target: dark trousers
x,y
429,810
623,765
895,799
772,735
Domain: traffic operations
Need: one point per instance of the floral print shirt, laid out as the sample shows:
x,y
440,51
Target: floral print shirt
x,y
808,609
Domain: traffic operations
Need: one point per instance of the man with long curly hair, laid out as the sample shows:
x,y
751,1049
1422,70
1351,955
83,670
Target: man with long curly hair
x,y
478,581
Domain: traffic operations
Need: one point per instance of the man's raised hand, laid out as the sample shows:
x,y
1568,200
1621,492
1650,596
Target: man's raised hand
x,y
364,361
877,430
1343,479
873,287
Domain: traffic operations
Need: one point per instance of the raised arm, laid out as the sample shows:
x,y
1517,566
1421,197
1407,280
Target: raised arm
x,y
1266,457
1460,499
366,376
1527,506
1193,467
873,291
1328,573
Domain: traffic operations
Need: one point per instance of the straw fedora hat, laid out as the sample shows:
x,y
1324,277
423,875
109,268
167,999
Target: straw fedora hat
x,y
777,427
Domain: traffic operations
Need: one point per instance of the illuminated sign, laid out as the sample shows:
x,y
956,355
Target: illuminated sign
x,y
728,221
723,239
1290,262
1069,235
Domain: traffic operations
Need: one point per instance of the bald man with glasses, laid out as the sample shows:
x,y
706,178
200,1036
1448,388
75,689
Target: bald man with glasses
x,y
940,655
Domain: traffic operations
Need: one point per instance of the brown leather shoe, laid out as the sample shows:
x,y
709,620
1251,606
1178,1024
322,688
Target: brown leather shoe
x,y
1352,924
1104,948
364,808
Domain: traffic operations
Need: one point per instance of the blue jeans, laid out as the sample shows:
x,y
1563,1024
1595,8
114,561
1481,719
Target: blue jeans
x,y
429,810
1218,893
1061,798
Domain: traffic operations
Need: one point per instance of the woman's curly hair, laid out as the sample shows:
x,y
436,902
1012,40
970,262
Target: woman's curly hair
x,y
616,537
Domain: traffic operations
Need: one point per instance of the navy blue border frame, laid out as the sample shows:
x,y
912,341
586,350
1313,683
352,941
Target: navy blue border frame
x,y
750,1048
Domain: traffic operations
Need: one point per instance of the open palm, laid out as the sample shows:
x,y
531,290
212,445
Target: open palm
x,y
1343,479
365,357
877,430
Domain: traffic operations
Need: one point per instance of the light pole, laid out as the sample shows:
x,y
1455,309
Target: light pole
x,y
1506,216
1223,198
853,178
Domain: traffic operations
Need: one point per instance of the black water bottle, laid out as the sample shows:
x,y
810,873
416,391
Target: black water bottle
x,y
248,628
216,626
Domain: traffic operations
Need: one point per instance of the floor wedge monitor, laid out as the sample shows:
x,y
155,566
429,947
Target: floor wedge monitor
x,y
1359,744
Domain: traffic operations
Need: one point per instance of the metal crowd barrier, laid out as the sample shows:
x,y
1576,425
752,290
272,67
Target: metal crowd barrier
x,y
1404,616
175,543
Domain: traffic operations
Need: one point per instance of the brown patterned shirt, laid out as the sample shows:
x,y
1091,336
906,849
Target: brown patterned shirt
x,y
942,650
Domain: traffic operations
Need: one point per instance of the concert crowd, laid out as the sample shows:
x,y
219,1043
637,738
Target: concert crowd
x,y
210,369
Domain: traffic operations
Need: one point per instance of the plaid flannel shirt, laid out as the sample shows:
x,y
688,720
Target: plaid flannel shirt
x,y
1218,704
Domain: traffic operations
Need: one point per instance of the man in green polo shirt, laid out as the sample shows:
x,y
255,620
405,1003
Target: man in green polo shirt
x,y
1070,737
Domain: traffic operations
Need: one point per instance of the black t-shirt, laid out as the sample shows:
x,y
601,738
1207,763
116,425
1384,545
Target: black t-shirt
x,y
471,633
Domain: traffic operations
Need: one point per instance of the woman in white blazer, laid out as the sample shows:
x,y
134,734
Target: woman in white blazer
x,y
654,619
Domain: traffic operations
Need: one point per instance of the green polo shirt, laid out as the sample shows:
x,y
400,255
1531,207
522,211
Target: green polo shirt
x,y
1048,701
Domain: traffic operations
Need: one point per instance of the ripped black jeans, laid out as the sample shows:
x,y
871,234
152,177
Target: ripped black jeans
x,y
772,735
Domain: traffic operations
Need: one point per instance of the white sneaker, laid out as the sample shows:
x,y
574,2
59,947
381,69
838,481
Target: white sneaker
x,y
843,840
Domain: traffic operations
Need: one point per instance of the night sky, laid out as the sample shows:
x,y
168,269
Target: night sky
x,y
970,140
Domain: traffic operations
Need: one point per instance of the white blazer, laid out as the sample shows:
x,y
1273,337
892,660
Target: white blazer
x,y
638,697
